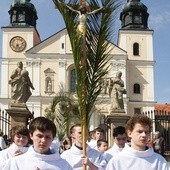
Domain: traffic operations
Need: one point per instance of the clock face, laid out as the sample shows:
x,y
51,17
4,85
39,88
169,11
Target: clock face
x,y
17,44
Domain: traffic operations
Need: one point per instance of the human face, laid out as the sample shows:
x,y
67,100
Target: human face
x,y
98,135
139,136
103,147
42,140
120,140
21,140
20,65
77,137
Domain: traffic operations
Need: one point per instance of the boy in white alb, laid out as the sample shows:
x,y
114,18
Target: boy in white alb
x,y
20,138
74,156
138,155
39,156
97,134
102,145
120,139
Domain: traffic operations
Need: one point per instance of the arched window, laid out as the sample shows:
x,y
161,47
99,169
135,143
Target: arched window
x,y
73,81
136,88
136,49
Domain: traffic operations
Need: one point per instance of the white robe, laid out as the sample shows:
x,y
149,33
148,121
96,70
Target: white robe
x,y
73,157
114,150
93,144
2,143
8,153
131,159
32,160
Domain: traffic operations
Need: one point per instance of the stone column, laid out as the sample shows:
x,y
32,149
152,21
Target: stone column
x,y
115,120
19,114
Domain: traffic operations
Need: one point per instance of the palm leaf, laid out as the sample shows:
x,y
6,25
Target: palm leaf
x,y
97,48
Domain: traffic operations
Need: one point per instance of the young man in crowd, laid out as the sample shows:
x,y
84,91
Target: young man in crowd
x,y
74,156
120,138
159,143
39,156
20,138
138,155
102,145
96,135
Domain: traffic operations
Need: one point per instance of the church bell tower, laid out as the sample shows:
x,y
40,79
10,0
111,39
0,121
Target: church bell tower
x,y
19,36
136,39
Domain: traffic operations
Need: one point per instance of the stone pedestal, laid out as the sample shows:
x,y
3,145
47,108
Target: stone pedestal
x,y
115,119
19,114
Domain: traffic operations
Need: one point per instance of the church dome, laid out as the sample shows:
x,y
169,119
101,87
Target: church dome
x,y
134,15
134,4
23,13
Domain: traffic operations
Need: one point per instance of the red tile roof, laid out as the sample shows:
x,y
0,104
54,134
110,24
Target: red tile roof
x,y
163,107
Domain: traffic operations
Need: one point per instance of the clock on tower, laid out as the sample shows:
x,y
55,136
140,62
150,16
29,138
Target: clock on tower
x,y
17,44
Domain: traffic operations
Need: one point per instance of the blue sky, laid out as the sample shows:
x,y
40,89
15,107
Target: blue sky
x,y
50,21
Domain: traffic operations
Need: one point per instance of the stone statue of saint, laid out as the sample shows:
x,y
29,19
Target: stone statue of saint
x,y
82,12
116,93
20,85
49,86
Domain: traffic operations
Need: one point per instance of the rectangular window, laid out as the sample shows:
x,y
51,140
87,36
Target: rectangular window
x,y
62,45
137,110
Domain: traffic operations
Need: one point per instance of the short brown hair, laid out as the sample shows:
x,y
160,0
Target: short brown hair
x,y
100,141
98,129
141,119
42,124
19,130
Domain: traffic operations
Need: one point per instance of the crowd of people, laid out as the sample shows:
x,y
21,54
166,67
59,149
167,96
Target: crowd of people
x,y
35,148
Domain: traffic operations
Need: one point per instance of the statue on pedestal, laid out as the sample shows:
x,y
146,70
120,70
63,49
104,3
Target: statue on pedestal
x,y
116,93
20,85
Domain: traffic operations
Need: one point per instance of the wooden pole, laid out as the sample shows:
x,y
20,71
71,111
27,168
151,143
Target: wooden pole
x,y
84,110
83,63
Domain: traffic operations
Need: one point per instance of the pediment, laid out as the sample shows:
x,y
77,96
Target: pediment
x,y
52,45
49,70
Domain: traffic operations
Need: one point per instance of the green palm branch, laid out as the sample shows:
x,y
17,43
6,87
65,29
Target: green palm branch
x,y
91,53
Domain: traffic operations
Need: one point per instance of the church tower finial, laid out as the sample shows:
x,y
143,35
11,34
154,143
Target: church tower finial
x,y
22,13
134,15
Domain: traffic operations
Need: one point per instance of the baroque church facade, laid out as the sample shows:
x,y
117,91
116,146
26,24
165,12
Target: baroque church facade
x,y
50,62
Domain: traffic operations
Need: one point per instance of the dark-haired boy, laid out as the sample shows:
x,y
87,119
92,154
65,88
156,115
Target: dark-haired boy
x,y
102,145
120,138
39,156
97,134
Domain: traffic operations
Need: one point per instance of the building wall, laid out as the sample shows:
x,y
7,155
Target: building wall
x,y
53,58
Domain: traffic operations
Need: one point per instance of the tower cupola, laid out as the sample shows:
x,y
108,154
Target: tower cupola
x,y
134,15
22,13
